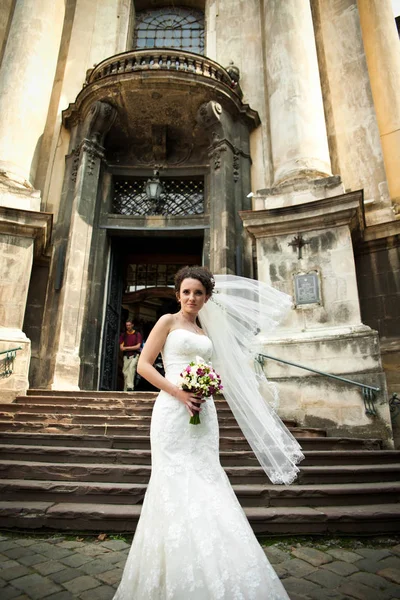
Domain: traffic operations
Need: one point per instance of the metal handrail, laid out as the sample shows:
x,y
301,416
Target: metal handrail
x,y
368,391
8,361
11,350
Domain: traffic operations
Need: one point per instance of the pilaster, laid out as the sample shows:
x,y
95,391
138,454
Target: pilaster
x,y
229,183
66,300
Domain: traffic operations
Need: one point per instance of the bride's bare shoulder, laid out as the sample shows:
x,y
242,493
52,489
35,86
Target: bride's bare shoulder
x,y
166,322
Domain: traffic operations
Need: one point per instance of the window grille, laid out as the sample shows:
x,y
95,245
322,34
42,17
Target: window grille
x,y
170,27
147,276
180,197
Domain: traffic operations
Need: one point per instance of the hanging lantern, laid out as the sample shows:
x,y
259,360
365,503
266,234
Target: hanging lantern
x,y
154,188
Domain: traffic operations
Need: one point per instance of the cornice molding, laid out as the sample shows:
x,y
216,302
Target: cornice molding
x,y
29,224
346,209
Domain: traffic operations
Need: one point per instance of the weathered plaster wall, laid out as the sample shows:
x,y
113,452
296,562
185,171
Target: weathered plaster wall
x,y
16,256
330,253
350,114
378,275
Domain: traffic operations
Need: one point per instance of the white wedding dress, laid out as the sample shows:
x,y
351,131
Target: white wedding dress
x,y
193,540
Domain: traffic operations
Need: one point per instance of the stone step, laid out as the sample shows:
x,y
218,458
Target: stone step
x,y
83,440
248,495
364,473
94,398
94,418
132,399
368,519
67,405
111,409
106,472
67,454
237,474
353,457
83,409
88,393
109,428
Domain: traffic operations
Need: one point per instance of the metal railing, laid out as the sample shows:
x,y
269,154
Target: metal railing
x,y
368,391
7,361
394,405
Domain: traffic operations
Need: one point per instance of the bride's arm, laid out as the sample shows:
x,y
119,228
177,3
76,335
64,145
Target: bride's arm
x,y
151,350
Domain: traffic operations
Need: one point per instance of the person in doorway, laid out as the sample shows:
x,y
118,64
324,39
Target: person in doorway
x,y
130,343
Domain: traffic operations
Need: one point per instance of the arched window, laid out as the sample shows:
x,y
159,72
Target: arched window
x,y
170,27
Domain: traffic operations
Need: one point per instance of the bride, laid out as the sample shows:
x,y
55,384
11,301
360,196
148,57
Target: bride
x,y
193,541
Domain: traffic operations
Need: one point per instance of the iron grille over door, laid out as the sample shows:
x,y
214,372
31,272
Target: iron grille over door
x,y
150,275
180,197
109,359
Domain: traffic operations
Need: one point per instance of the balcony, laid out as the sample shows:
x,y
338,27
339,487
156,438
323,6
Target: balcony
x,y
167,61
157,94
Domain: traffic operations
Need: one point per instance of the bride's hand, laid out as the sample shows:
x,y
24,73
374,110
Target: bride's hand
x,y
191,401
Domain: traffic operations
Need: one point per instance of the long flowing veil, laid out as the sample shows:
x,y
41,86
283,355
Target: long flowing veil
x,y
238,311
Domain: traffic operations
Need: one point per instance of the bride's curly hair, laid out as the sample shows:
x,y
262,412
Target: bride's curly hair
x,y
202,274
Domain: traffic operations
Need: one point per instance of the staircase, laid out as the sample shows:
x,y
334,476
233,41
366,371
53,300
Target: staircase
x,y
81,461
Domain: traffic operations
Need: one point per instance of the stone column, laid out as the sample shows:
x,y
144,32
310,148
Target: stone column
x,y
382,49
297,121
26,80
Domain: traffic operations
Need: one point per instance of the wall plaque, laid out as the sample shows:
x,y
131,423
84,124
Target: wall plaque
x,y
307,289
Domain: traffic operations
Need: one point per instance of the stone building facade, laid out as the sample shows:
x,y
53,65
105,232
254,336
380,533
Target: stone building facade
x,y
273,128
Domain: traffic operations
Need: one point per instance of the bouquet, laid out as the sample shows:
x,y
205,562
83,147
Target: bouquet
x,y
201,379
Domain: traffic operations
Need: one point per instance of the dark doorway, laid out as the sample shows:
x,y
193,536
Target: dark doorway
x,y
141,288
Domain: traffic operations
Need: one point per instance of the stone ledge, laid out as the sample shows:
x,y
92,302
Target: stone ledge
x,y
323,213
27,223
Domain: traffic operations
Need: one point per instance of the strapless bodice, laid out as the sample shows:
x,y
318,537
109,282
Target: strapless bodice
x,y
180,348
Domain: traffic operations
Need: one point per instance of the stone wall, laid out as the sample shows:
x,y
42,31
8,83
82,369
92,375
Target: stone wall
x,y
378,277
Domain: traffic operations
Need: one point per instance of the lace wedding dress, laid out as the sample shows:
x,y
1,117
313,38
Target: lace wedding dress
x,y
193,541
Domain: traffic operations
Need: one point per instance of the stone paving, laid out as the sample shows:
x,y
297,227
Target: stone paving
x,y
67,567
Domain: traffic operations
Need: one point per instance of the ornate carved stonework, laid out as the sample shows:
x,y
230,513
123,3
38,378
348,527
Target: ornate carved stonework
x,y
99,121
75,163
92,150
236,163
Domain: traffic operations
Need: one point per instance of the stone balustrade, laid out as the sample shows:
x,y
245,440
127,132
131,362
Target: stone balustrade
x,y
162,60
